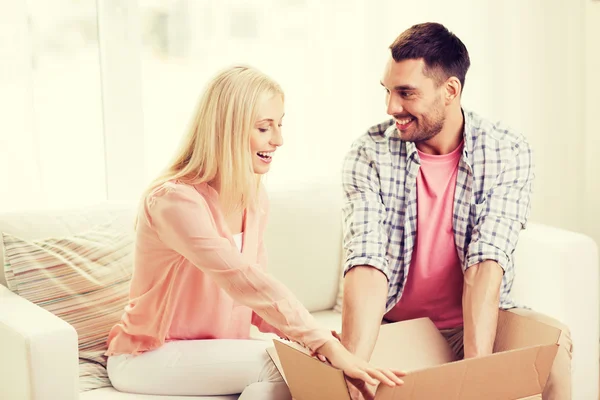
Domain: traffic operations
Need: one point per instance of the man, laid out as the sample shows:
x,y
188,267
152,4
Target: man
x,y
435,200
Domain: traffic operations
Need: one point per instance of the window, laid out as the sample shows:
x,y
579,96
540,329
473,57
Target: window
x,y
51,151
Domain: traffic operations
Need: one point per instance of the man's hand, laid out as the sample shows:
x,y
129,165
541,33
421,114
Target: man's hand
x,y
361,319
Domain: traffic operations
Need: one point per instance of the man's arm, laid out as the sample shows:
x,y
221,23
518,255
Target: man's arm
x,y
504,213
481,295
365,295
365,245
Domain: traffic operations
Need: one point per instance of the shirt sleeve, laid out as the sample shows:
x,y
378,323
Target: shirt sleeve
x,y
503,213
365,239
263,261
183,221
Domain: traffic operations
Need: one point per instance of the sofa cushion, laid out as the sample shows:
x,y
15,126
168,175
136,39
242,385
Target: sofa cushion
x,y
83,279
112,394
304,243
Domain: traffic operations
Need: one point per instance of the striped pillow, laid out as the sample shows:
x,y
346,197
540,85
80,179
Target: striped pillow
x,y
83,279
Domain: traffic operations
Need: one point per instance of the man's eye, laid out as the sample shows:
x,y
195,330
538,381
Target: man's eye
x,y
406,94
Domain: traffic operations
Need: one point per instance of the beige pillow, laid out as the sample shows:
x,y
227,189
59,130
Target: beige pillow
x,y
82,279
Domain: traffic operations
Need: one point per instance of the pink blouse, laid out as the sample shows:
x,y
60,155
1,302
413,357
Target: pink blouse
x,y
191,282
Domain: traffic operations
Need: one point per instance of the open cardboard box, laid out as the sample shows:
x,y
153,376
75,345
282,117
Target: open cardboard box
x,y
524,351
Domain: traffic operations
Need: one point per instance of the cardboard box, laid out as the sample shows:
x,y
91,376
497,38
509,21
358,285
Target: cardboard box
x,y
524,351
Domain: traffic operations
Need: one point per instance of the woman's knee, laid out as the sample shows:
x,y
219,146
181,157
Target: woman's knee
x,y
116,374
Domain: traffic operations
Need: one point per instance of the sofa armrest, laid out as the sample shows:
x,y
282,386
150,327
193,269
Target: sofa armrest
x,y
38,352
557,273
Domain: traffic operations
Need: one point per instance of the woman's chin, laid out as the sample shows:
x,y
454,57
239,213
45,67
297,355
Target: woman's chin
x,y
261,169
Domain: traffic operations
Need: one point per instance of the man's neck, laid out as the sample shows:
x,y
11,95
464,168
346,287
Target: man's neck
x,y
449,138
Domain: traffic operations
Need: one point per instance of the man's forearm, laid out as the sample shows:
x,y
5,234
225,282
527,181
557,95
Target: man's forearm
x,y
481,297
365,295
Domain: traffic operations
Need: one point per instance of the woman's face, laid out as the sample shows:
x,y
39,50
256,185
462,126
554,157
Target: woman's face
x,y
265,136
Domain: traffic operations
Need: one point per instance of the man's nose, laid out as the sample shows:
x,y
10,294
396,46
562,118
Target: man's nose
x,y
394,105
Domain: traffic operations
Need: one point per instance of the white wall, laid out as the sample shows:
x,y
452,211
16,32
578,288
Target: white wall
x,y
592,124
534,66
527,70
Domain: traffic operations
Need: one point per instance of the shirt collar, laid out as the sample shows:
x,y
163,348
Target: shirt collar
x,y
468,137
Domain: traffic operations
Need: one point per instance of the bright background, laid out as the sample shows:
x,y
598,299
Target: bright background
x,y
95,94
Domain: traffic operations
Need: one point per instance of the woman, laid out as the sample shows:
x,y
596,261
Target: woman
x,y
199,269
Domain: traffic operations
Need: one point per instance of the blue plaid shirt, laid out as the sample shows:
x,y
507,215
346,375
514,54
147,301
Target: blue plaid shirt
x,y
491,201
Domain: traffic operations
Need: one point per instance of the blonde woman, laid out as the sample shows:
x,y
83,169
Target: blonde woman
x,y
199,277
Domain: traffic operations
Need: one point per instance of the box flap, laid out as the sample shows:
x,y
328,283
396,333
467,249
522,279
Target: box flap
x,y
307,377
411,345
515,332
509,375
275,358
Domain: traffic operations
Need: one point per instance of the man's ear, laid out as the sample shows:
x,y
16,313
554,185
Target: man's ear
x,y
452,90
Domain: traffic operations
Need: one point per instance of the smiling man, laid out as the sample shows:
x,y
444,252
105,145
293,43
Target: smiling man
x,y
435,199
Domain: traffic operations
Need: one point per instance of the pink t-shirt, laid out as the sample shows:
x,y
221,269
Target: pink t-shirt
x,y
435,279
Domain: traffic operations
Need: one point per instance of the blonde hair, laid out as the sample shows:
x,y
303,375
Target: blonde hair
x,y
217,143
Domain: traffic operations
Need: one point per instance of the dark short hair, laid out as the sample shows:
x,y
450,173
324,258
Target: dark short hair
x,y
444,54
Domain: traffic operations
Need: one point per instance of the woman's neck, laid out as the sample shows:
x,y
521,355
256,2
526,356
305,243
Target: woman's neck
x,y
215,184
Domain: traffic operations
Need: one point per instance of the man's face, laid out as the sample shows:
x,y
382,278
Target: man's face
x,y
414,100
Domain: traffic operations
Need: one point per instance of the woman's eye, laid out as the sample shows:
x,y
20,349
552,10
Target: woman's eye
x,y
263,130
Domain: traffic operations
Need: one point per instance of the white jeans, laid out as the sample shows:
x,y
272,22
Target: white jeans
x,y
201,368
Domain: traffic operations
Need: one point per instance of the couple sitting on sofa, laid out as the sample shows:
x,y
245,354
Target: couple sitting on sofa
x,y
435,191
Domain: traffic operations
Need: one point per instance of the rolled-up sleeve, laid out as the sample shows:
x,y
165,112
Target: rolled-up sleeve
x,y
503,212
365,239
183,221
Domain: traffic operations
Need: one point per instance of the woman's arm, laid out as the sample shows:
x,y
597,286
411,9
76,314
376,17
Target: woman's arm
x,y
183,221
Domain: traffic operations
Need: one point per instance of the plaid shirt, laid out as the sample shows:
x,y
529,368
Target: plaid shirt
x,y
491,201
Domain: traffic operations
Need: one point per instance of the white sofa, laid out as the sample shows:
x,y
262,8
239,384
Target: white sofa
x,y
557,273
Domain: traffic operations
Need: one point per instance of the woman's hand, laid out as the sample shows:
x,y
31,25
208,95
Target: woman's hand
x,y
359,390
356,368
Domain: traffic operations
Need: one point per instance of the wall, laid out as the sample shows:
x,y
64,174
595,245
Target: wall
x,y
527,70
592,125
